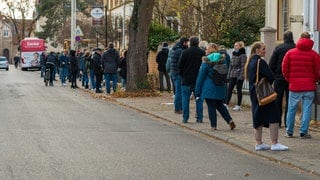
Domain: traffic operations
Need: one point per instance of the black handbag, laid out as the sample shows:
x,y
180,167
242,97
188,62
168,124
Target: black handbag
x,y
264,90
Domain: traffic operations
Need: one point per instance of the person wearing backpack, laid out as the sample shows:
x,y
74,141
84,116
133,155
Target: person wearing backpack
x,y
212,89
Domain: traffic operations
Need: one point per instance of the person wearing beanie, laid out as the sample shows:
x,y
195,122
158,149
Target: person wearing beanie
x,y
281,86
161,59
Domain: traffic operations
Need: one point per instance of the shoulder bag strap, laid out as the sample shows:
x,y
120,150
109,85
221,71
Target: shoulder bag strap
x,y
257,76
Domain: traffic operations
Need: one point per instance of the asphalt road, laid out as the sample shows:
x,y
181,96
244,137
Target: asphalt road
x,y
61,133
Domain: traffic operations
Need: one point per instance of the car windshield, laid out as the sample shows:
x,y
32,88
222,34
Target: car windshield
x,y
2,59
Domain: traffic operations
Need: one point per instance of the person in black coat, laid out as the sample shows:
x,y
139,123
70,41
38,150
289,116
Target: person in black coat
x,y
97,68
74,67
161,59
188,65
281,86
267,115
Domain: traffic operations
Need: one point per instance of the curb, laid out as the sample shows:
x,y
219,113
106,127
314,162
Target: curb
x,y
308,168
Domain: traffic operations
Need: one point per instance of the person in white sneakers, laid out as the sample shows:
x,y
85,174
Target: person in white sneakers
x,y
236,73
267,115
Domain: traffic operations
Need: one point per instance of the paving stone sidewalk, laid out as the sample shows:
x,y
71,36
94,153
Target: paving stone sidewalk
x,y
303,153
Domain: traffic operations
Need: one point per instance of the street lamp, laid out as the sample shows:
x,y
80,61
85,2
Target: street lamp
x,y
97,36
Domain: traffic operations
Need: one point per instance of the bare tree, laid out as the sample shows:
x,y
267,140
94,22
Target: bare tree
x,y
138,45
17,16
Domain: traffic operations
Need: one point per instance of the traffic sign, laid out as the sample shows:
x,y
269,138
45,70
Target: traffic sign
x,y
97,13
77,38
79,31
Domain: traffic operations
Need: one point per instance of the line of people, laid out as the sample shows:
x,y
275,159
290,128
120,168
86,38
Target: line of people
x,y
89,67
191,70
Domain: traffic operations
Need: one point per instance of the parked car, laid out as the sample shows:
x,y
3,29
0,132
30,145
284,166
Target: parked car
x,y
4,63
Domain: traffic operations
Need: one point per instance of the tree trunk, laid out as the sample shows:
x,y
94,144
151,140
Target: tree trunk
x,y
138,45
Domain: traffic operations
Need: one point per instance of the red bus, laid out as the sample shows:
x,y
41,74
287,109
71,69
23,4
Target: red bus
x,y
31,49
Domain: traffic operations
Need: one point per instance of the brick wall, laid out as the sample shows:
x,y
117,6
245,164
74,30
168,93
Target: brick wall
x,y
153,74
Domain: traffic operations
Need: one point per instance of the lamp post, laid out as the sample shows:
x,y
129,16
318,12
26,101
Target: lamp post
x,y
97,36
124,25
106,23
73,23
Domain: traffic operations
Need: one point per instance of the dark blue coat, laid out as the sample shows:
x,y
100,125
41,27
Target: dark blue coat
x,y
261,115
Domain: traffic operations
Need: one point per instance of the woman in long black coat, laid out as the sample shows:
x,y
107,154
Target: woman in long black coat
x,y
262,116
74,68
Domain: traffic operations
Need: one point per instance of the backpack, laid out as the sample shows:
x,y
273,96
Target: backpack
x,y
220,72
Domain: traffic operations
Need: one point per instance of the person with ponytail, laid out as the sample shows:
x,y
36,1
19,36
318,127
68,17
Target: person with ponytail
x,y
267,115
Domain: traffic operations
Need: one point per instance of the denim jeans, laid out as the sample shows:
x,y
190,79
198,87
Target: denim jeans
x,y
63,74
111,77
43,69
186,93
294,98
85,79
124,82
177,96
92,79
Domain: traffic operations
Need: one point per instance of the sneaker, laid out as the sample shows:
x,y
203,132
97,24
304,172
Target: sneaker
x,y
232,125
289,135
305,136
236,108
278,147
262,146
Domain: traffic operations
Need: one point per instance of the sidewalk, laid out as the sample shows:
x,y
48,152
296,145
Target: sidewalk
x,y
303,153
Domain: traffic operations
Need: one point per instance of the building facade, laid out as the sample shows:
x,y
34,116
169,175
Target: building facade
x,y
295,15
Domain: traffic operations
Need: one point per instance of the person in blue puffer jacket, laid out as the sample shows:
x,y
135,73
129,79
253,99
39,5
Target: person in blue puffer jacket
x,y
213,94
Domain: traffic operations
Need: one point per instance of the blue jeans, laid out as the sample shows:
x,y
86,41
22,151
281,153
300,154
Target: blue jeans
x,y
43,69
177,96
92,79
111,77
186,93
63,74
294,98
85,79
124,82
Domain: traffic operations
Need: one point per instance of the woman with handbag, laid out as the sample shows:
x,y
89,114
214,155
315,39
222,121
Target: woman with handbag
x,y
266,115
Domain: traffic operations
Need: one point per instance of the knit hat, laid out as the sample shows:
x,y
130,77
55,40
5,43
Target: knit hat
x,y
165,44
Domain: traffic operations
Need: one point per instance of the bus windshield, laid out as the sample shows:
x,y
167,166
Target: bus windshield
x,y
31,49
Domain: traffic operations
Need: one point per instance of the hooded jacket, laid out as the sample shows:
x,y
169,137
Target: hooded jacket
x,y
276,59
300,66
238,60
161,59
205,88
110,61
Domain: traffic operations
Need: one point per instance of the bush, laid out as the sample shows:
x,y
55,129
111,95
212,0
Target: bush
x,y
158,34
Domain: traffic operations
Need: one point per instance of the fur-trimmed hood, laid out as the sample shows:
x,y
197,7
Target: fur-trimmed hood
x,y
214,58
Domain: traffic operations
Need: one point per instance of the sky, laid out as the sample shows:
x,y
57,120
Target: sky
x,y
5,9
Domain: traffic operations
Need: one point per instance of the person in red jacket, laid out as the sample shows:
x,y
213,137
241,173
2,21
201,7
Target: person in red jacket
x,y
300,67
